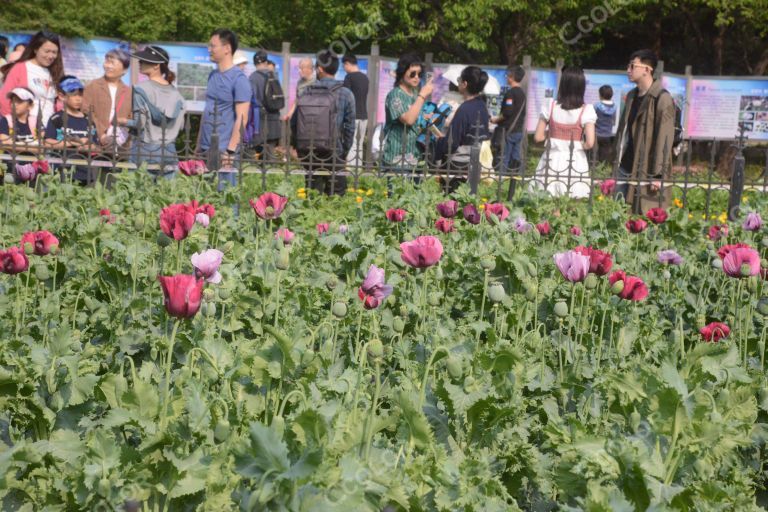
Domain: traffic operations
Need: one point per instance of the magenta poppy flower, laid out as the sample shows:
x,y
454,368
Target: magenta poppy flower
x,y
607,187
284,234
657,215
448,209
192,167
575,230
42,242
182,294
396,215
207,265
444,225
13,261
471,214
636,225
269,205
572,265
322,228
717,232
422,252
715,331
742,262
25,172
753,222
497,209
374,290
544,228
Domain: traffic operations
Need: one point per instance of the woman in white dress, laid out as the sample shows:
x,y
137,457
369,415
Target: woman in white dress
x,y
562,121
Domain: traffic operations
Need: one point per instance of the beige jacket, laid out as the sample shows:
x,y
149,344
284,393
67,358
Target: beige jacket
x,y
653,135
96,96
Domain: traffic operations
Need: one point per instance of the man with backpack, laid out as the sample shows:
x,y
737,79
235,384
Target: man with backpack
x,y
645,138
269,95
323,127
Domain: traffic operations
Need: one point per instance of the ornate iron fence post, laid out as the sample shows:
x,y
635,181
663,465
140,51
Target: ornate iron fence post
x,y
737,178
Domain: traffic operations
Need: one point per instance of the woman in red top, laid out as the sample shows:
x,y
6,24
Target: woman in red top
x,y
38,69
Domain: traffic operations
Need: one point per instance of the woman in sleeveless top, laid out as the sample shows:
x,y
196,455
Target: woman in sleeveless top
x,y
564,120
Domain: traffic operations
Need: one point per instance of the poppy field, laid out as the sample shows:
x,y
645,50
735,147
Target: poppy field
x,y
393,349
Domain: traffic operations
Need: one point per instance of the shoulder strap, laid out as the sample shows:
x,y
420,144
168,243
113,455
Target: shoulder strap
x,y
551,109
581,112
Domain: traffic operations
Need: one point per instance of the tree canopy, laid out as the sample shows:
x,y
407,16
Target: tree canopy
x,y
714,36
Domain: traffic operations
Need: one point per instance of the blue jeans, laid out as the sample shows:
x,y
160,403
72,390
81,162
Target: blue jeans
x,y
512,146
156,153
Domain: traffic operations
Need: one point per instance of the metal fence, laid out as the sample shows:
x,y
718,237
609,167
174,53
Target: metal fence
x,y
570,171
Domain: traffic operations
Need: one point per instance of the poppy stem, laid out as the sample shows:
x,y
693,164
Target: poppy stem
x,y
167,383
277,296
372,415
178,256
424,298
482,304
423,388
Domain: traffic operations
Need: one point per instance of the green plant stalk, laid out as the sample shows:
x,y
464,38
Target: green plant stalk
x,y
24,309
560,352
423,387
167,383
368,434
178,256
761,345
668,466
288,395
277,297
359,357
482,306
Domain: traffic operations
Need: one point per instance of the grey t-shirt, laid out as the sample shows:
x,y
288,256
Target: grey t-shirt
x,y
165,99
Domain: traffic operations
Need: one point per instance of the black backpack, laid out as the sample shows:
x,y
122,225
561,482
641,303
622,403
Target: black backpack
x,y
316,118
274,100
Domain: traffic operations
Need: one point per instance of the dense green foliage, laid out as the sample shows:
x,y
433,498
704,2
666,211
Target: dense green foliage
x,y
484,383
715,37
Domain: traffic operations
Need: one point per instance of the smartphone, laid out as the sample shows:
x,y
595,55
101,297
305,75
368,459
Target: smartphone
x,y
428,76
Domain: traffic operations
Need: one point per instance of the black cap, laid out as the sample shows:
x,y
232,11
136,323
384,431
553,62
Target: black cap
x,y
260,57
152,54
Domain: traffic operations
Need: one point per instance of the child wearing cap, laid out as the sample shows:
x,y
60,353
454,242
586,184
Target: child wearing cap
x,y
19,131
70,127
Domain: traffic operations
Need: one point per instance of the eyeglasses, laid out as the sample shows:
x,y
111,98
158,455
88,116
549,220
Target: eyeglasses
x,y
631,66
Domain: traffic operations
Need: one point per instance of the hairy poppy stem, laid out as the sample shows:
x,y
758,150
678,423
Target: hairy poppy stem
x,y
167,383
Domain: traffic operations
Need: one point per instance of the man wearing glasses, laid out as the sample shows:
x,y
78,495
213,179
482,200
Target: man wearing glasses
x,y
645,137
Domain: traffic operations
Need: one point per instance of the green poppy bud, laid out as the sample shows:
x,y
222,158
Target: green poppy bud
x,y
104,487
398,324
496,292
283,260
617,287
209,294
339,310
42,273
666,275
561,309
278,425
532,271
762,306
488,263
307,357
530,292
746,270
717,263
221,430
590,282
227,248
8,179
163,240
454,368
331,283
225,293
434,299
375,350
138,223
210,309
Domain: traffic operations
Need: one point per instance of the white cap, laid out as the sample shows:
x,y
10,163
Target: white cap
x,y
22,93
239,58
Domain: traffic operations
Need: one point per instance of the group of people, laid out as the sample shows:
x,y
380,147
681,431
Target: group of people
x,y
39,103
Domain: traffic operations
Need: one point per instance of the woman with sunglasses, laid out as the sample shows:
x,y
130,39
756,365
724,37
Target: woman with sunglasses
x,y
403,105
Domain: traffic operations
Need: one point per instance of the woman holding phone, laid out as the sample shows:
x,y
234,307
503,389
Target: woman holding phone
x,y
402,106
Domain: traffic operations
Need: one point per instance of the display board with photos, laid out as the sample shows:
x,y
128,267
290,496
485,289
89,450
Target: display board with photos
x,y
719,107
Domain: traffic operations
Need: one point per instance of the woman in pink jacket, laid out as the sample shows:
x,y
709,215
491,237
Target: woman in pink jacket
x,y
38,69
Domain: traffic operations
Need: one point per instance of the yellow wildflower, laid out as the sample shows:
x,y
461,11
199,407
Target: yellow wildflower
x,y
359,199
301,190
678,203
704,216
744,199
600,198
484,199
351,190
369,192
690,215
360,191
712,217
482,207
723,217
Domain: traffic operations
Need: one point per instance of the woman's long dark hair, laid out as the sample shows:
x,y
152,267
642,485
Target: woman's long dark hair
x,y
570,92
56,69
476,79
404,64
169,75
